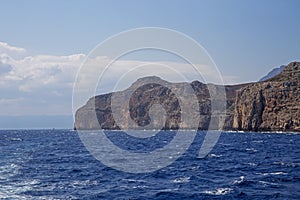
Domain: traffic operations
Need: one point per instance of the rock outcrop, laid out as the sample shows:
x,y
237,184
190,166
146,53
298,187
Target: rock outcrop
x,y
272,105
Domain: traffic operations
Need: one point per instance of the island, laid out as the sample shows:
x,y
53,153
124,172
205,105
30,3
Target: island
x,y
269,105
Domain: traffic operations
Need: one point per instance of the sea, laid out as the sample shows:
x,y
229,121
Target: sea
x,y
55,164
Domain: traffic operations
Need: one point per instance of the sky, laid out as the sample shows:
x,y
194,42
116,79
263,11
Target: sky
x,y
43,43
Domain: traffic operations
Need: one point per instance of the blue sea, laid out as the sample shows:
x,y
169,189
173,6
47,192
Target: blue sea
x,y
54,164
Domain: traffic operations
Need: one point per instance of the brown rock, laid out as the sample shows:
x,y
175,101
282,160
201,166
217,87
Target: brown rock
x,y
272,105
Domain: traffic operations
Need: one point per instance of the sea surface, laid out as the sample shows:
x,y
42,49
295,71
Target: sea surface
x,y
54,164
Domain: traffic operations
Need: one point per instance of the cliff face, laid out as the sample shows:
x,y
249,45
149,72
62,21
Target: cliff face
x,y
97,113
272,105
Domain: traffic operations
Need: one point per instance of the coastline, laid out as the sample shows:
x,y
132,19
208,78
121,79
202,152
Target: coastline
x,y
227,131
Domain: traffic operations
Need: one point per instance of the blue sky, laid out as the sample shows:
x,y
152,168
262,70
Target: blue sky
x,y
246,39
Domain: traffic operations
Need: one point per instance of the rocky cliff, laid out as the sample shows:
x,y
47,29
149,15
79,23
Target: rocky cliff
x,y
271,105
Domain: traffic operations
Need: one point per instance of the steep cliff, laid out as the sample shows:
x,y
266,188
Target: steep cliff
x,y
272,105
97,113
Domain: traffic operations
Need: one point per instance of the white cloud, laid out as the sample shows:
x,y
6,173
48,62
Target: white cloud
x,y
42,71
43,84
6,47
12,51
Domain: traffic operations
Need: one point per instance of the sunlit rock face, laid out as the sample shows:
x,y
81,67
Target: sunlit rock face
x,y
272,105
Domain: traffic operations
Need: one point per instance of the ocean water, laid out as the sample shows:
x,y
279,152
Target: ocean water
x,y
54,164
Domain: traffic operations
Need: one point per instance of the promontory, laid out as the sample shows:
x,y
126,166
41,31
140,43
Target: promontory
x,y
270,105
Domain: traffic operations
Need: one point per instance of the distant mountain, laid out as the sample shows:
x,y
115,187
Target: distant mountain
x,y
272,73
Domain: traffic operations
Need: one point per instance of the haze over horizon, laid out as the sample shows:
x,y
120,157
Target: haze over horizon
x,y
42,45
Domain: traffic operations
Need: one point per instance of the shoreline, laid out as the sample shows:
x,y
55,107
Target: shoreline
x,y
226,131
153,130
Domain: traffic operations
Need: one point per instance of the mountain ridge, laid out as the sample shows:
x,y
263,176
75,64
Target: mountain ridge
x,y
272,73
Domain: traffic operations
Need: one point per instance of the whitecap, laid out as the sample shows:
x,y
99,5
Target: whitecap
x,y
214,155
287,164
15,139
252,164
218,191
280,132
239,181
267,183
278,173
272,173
231,131
278,163
251,149
134,180
81,183
168,190
140,186
182,180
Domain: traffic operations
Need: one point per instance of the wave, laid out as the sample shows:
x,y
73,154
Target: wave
x,y
242,178
267,183
252,164
8,171
272,173
287,164
12,139
251,149
83,183
182,180
218,191
16,190
134,180
267,132
214,155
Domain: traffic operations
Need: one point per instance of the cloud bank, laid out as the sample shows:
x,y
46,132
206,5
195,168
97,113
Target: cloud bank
x,y
43,84
36,84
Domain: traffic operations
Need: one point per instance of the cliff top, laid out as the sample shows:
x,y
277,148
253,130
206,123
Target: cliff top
x,y
290,73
